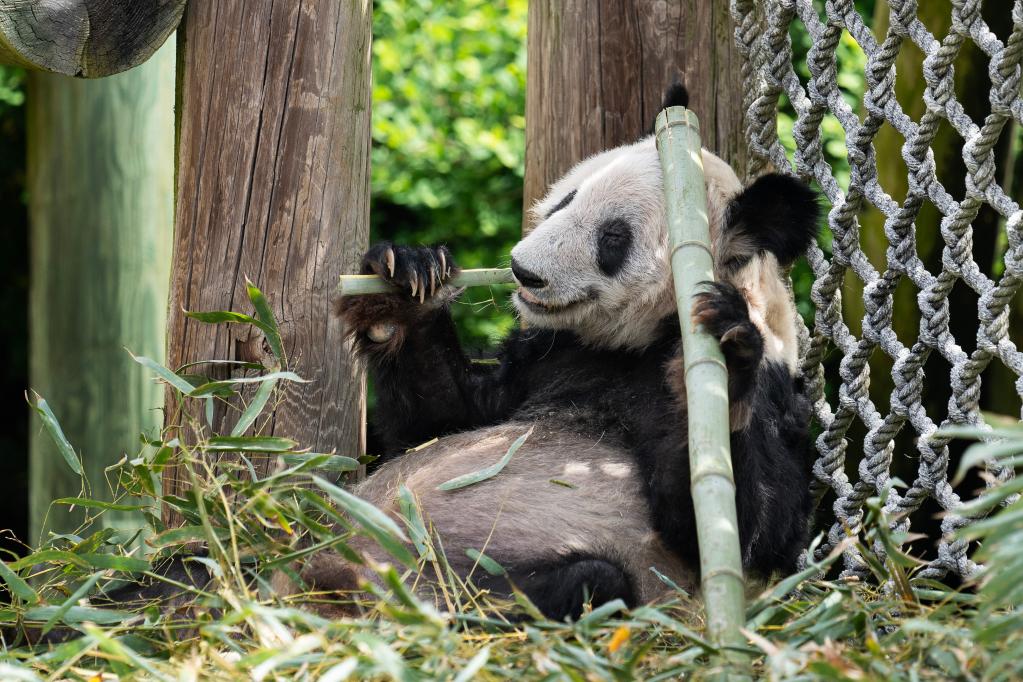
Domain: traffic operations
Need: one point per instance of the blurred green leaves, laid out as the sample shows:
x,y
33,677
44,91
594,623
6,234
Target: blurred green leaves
x,y
449,135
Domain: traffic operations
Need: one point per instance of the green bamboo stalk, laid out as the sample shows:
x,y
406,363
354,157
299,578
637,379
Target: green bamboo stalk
x,y
355,285
712,483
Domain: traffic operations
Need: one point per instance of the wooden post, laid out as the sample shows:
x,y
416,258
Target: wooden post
x,y
87,38
100,185
598,70
273,185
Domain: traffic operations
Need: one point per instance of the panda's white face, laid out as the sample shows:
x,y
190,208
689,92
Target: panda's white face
x,y
597,261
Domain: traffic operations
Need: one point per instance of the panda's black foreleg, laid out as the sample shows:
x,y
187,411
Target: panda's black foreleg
x,y
723,311
425,385
562,588
770,436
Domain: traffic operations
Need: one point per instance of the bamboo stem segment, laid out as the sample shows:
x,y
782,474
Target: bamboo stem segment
x,y
712,483
355,285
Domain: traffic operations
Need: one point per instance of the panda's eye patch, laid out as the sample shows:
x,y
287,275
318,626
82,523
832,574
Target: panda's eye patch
x,y
613,244
565,201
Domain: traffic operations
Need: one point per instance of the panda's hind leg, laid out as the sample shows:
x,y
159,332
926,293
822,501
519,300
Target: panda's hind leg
x,y
562,588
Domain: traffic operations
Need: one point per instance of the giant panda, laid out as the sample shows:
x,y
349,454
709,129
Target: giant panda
x,y
599,493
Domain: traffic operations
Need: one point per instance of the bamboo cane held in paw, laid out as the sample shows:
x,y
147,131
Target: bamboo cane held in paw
x,y
356,285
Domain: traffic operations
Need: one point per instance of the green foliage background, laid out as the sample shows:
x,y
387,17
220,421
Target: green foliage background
x,y
449,136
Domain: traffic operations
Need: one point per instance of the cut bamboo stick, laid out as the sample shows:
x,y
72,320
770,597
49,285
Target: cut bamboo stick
x,y
712,483
355,285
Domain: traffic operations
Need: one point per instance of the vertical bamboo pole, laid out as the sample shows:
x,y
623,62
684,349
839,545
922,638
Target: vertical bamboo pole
x,y
713,487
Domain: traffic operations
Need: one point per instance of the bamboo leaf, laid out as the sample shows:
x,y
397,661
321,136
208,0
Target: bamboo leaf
x,y
79,614
489,472
178,536
248,444
474,665
254,408
337,463
57,434
170,377
78,594
215,386
414,522
269,322
125,564
98,504
485,562
375,522
18,587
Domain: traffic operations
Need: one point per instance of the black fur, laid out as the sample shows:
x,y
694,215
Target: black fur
x,y
563,587
565,201
723,311
429,388
675,96
778,213
614,241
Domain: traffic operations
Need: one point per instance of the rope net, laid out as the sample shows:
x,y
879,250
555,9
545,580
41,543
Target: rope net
x,y
771,80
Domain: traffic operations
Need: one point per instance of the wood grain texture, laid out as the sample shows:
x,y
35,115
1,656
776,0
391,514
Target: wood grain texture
x,y
273,185
597,71
87,38
100,185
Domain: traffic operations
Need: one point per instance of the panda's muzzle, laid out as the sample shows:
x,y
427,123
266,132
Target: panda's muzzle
x,y
527,278
526,297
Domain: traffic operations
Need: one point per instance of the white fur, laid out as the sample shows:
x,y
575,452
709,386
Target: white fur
x,y
621,311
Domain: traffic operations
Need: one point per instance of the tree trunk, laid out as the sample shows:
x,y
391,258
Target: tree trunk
x,y
100,185
273,185
598,70
89,38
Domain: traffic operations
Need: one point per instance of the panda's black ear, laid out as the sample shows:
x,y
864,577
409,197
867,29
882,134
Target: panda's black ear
x,y
777,213
675,96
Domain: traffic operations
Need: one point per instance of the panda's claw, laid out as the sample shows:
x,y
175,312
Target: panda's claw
x,y
390,261
443,261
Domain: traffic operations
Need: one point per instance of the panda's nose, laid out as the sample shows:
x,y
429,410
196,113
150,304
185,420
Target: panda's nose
x,y
527,278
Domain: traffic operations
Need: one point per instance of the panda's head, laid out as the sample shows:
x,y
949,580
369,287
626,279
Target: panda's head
x,y
597,260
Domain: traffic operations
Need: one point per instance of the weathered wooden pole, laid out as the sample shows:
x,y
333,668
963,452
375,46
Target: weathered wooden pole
x,y
598,70
87,38
100,185
273,185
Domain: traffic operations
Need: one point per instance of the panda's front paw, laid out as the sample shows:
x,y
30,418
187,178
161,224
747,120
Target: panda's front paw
x,y
418,271
379,322
723,311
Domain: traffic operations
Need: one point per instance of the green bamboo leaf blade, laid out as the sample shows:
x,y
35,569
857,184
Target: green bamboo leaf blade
x,y
168,376
334,463
466,480
255,407
981,453
68,603
415,523
18,587
49,556
268,321
215,386
89,503
52,427
76,615
375,522
124,564
180,536
248,444
485,562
